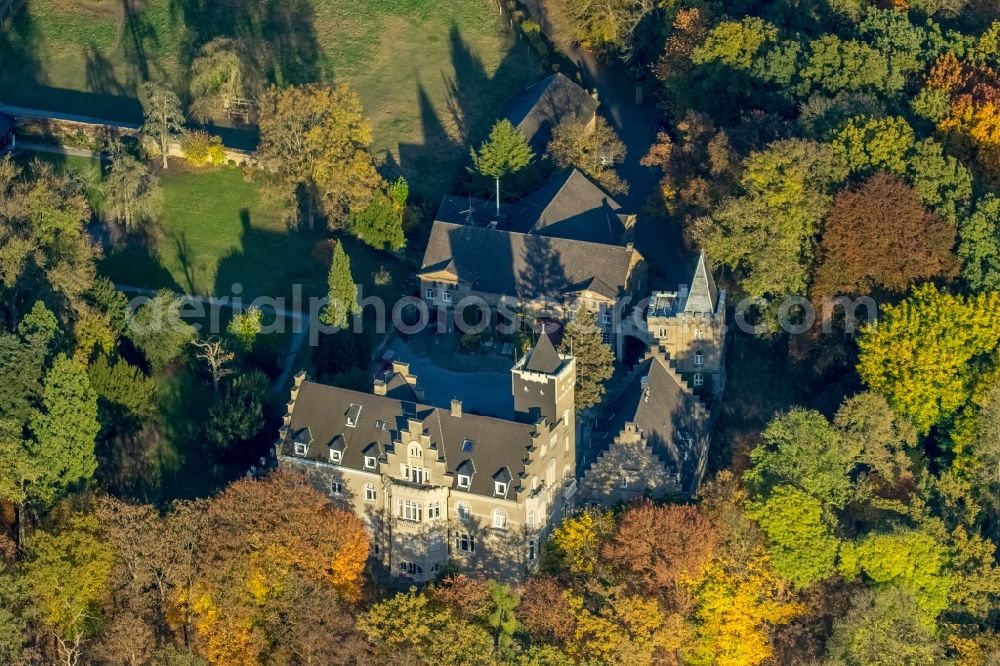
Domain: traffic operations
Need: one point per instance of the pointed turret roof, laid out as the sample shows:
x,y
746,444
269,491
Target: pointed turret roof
x,y
704,295
543,358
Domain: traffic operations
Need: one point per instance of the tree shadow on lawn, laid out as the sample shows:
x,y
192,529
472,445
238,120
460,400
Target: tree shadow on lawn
x,y
433,166
276,37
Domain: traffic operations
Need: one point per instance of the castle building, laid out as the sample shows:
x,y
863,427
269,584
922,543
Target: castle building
x,y
689,327
437,487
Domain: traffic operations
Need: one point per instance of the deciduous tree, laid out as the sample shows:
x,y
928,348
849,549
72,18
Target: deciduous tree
x,y
131,192
159,331
215,355
313,148
880,236
593,150
163,116
921,356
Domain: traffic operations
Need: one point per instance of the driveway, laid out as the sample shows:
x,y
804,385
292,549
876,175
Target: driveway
x,y
480,392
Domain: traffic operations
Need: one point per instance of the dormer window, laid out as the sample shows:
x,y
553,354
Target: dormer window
x,y
370,462
467,446
336,457
381,425
353,413
464,481
301,448
500,488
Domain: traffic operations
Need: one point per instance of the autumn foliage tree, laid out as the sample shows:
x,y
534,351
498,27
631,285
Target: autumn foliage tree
x,y
314,151
880,236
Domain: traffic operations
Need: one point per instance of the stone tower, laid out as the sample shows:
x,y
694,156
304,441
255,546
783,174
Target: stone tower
x,y
543,383
689,325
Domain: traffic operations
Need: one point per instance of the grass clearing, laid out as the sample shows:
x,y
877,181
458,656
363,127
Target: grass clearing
x,y
432,75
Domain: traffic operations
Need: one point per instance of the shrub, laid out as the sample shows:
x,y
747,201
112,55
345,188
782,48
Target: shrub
x,y
203,149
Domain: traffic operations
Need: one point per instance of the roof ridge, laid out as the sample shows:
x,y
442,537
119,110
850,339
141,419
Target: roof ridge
x,y
552,238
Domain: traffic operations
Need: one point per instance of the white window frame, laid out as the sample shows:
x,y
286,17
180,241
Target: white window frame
x,y
409,510
463,510
370,462
699,359
699,379
433,510
430,294
464,481
337,488
465,542
499,519
500,489
370,493
301,448
446,296
532,549
530,520
336,457
624,481
606,318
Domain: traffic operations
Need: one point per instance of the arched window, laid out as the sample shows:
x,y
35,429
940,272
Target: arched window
x,y
370,494
499,519
416,451
699,358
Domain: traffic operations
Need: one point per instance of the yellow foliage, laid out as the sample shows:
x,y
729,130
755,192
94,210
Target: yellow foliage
x,y
93,332
579,537
735,608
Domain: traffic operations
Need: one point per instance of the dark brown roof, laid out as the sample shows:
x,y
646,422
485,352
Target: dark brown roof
x,y
527,265
319,416
570,205
543,358
672,417
541,107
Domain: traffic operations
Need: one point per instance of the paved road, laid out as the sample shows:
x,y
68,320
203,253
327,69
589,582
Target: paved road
x,y
72,117
482,392
58,150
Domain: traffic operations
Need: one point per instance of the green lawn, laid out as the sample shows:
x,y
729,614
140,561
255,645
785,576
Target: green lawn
x,y
432,74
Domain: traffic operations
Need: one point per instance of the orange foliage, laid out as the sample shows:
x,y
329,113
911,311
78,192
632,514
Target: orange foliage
x,y
260,538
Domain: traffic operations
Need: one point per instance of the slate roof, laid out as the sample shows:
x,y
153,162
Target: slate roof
x,y
526,265
667,411
459,210
570,205
6,123
320,413
541,106
543,358
703,295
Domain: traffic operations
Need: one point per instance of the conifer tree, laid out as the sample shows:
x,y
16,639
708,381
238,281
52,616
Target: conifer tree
x,y
504,153
343,292
594,358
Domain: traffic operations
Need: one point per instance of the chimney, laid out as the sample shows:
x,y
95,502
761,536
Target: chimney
x,y
629,246
456,408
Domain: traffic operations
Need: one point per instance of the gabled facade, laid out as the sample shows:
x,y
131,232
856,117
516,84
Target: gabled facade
x,y
437,487
651,440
